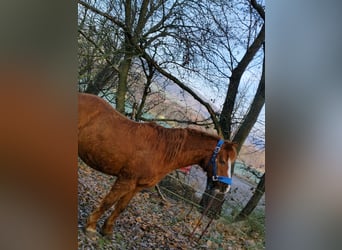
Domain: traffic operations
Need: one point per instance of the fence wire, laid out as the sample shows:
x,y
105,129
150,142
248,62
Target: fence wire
x,y
226,218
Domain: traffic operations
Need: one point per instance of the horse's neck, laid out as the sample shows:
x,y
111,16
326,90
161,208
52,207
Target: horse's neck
x,y
197,148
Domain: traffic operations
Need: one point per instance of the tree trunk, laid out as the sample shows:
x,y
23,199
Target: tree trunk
x,y
253,202
241,135
253,113
227,111
228,106
100,81
147,89
122,84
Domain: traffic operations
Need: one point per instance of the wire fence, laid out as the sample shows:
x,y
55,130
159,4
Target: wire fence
x,y
176,186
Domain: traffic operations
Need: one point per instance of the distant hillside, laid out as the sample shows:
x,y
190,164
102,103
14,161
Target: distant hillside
x,y
252,157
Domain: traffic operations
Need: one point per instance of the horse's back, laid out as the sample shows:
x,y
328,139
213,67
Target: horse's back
x,y
108,141
91,105
98,137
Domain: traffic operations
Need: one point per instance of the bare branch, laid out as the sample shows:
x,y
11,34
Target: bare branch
x,y
109,17
186,88
258,8
99,49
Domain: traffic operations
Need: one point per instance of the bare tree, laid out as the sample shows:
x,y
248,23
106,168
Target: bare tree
x,y
98,60
214,42
227,114
143,25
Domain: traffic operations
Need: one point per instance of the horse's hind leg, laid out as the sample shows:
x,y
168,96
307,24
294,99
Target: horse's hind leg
x,y
119,207
118,190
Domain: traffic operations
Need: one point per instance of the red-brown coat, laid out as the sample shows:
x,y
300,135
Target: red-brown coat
x,y
139,154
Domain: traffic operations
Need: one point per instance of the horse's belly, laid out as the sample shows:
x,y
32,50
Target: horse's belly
x,y
97,158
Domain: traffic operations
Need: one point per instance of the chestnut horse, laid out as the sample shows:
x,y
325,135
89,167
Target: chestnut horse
x,y
141,154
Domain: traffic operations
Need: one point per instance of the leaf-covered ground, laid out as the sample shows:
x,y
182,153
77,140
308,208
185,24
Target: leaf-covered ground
x,y
151,223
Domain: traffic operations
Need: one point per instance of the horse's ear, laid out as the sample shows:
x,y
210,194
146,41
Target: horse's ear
x,y
235,147
233,144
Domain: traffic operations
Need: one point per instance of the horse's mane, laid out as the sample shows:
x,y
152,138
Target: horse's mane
x,y
172,138
175,138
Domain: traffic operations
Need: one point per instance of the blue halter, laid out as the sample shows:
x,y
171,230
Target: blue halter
x,y
212,161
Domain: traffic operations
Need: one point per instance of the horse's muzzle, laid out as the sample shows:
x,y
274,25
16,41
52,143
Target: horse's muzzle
x,y
222,188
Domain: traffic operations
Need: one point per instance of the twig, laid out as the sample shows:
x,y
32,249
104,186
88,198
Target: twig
x,y
161,194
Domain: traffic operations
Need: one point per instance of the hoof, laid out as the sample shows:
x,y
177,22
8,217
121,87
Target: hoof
x,y
106,234
91,233
107,237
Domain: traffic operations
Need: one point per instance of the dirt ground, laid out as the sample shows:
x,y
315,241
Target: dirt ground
x,y
150,223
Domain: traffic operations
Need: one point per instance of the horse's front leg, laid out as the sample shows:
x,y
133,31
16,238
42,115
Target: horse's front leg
x,y
118,190
119,207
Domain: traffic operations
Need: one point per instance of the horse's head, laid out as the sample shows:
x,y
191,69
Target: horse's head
x,y
219,167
